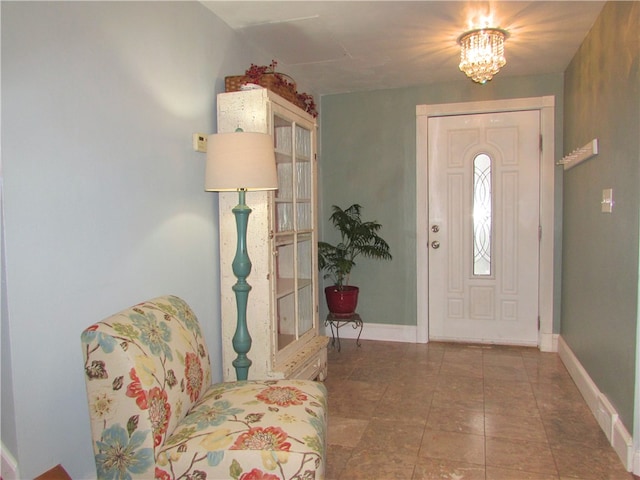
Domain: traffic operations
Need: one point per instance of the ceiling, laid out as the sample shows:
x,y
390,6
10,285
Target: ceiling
x,y
345,46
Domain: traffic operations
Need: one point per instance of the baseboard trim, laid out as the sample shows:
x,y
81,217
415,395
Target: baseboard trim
x,y
379,331
384,332
600,406
636,462
9,465
504,341
549,342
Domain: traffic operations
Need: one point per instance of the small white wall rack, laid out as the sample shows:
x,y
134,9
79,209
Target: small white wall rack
x,y
579,155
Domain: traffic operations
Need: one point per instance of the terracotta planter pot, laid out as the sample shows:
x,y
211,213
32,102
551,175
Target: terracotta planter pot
x,y
342,303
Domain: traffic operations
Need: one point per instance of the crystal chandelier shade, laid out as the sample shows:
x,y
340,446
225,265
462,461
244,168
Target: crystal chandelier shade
x,y
482,53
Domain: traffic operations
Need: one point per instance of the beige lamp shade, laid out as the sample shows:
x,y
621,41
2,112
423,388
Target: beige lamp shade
x,y
240,161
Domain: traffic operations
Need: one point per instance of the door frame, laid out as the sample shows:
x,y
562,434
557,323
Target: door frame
x,y
547,341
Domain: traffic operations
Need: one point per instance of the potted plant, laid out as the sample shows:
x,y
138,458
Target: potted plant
x,y
357,238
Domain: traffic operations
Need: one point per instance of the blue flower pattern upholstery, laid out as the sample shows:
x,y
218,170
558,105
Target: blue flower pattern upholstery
x,y
155,414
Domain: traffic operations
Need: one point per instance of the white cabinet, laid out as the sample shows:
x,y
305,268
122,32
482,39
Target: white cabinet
x,y
282,310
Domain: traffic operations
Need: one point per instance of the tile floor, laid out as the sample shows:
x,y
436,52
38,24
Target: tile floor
x,y
460,412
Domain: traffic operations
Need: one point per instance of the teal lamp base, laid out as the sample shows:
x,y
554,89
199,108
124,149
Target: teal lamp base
x,y
241,269
241,161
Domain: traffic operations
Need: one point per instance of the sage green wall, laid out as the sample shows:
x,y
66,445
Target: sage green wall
x,y
600,260
368,156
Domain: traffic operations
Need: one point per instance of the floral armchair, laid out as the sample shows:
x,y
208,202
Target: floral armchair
x,y
155,414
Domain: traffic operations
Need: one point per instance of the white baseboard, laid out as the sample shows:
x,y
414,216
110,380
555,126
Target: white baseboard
x,y
9,466
583,381
636,462
378,331
549,342
409,334
605,413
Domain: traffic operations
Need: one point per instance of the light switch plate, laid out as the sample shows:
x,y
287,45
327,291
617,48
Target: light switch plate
x,y
200,142
607,200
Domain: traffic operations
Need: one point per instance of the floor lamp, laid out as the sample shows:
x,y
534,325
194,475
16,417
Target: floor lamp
x,y
241,161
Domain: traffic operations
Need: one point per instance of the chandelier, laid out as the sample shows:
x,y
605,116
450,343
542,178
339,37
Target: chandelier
x,y
482,53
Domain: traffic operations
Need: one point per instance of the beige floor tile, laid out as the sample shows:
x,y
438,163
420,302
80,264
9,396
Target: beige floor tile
x,y
337,457
461,447
425,373
393,436
459,392
546,370
366,373
516,427
456,420
423,353
339,372
495,473
407,385
574,427
466,402
354,399
434,469
558,397
511,398
411,406
419,355
495,388
577,461
508,373
346,432
520,456
462,369
378,464
460,384
462,354
499,357
459,412
384,359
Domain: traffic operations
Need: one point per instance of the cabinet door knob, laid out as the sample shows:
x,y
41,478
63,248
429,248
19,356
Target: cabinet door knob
x,y
435,244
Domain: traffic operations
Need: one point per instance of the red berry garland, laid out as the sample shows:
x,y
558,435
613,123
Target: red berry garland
x,y
256,72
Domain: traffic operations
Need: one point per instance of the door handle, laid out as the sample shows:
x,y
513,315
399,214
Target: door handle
x,y
435,244
435,228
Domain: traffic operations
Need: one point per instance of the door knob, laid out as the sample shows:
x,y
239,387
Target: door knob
x,y
435,228
435,244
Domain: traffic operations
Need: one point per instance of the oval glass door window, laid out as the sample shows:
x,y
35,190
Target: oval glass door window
x,y
482,203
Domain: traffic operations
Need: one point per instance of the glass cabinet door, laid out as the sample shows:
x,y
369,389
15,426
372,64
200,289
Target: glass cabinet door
x,y
305,285
293,237
304,225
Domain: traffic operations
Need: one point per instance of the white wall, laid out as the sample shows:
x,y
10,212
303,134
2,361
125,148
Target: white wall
x,y
103,194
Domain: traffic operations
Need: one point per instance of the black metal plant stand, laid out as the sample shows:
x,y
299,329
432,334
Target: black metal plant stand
x,y
336,322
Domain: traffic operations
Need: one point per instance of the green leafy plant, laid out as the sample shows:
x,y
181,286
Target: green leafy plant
x,y
357,238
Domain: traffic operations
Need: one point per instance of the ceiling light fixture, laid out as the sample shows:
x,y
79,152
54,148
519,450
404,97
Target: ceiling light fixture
x,y
482,53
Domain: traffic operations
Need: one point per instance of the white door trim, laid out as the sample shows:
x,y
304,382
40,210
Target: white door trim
x,y
546,106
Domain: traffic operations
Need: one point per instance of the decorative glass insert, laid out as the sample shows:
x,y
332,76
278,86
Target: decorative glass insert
x,y
482,214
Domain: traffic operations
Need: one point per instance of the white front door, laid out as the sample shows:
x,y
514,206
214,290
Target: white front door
x,y
483,181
